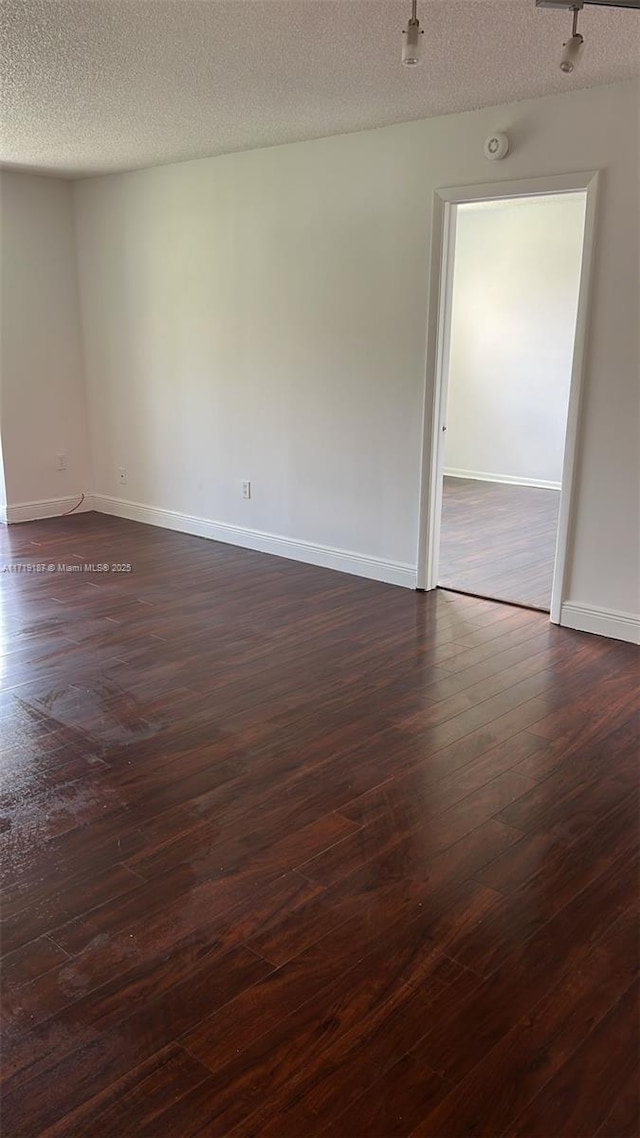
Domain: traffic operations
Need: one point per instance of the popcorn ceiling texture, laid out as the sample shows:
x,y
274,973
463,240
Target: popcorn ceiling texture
x,y
92,86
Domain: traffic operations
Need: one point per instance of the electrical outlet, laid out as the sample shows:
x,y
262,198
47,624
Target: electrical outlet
x,y
122,475
246,489
62,461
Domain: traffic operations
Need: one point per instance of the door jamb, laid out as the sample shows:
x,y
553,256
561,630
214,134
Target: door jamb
x,y
438,338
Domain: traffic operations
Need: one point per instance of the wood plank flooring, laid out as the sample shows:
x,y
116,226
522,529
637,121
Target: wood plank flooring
x,y
499,541
290,853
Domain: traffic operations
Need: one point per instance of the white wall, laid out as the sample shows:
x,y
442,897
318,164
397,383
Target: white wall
x,y
516,278
41,365
246,318
262,315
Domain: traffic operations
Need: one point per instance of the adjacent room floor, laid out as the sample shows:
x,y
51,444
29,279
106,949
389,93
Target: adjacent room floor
x,y
499,541
287,852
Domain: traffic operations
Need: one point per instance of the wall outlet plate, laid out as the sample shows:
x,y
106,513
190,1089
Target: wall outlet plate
x,y
122,475
246,489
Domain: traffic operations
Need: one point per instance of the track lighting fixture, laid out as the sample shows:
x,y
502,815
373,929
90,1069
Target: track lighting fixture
x,y
412,39
572,48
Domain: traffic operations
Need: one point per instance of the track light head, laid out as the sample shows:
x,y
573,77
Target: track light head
x,y
572,53
412,45
412,39
572,49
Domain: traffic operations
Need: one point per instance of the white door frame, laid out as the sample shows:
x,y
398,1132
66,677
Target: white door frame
x,y
438,341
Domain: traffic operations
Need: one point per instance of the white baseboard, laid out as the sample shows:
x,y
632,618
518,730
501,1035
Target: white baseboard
x,y
582,618
47,508
602,622
481,476
375,568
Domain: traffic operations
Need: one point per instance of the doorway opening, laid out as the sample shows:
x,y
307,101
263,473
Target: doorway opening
x,y
508,315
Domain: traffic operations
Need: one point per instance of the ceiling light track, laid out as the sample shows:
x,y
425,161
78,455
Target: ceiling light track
x,y
630,4
412,35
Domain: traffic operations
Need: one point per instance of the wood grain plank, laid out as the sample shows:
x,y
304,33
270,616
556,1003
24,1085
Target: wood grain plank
x,y
451,1049
107,1042
33,960
381,881
432,832
605,1060
131,1104
304,979
455,780
530,1053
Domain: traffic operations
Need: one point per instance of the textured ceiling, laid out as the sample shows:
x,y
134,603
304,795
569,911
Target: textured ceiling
x,y
99,85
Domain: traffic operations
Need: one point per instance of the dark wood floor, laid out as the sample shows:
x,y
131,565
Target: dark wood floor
x,y
291,853
499,541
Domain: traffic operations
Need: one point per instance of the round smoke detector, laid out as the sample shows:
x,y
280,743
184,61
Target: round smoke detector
x,y
496,146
